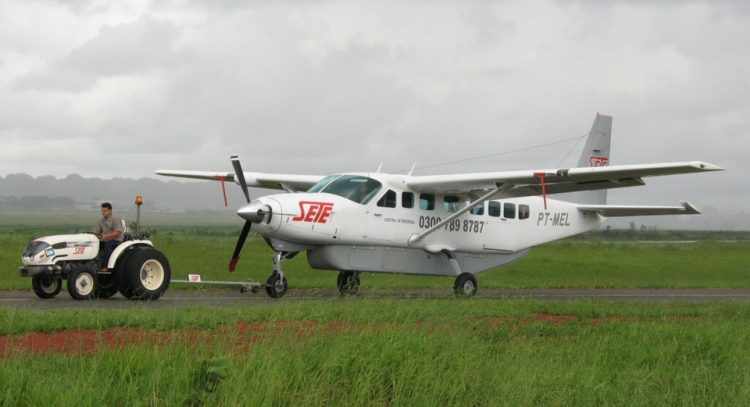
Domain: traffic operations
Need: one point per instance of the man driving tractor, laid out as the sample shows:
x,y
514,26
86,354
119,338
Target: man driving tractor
x,y
110,233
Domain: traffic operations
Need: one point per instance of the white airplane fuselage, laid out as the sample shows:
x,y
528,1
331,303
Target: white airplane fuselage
x,y
339,233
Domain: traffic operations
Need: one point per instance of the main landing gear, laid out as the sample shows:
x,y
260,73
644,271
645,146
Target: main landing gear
x,y
348,282
465,285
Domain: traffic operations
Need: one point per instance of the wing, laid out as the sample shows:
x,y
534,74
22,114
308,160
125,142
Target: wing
x,y
294,182
528,182
611,211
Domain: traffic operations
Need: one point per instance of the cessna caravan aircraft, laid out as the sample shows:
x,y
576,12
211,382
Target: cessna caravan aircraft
x,y
455,225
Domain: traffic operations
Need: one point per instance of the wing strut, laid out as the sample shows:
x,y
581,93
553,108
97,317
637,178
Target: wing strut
x,y
541,175
497,190
223,179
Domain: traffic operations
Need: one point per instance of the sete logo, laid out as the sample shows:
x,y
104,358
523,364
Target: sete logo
x,y
314,212
599,161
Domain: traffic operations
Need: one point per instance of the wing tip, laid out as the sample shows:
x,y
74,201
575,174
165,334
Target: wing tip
x,y
690,209
704,166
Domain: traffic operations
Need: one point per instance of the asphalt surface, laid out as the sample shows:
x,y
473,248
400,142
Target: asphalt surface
x,y
232,297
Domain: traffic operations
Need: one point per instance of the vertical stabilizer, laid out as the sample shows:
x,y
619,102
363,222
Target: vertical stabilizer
x,y
596,154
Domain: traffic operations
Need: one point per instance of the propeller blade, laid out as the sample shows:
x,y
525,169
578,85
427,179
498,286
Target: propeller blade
x,y
240,176
238,247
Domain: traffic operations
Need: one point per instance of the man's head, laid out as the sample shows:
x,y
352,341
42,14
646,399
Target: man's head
x,y
106,209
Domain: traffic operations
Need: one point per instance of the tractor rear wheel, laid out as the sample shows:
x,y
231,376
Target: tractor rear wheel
x,y
146,274
46,286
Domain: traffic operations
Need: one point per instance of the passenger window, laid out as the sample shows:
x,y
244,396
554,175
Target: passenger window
x,y
523,211
509,210
427,202
407,199
450,203
478,210
493,209
388,200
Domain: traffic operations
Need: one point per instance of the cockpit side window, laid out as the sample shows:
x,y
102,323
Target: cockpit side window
x,y
388,200
354,187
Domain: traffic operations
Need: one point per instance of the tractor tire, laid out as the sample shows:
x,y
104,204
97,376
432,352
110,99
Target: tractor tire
x,y
147,274
106,286
45,286
82,283
120,275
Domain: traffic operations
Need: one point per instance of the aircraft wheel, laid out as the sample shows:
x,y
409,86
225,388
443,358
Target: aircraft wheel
x,y
348,282
45,286
276,285
465,285
82,284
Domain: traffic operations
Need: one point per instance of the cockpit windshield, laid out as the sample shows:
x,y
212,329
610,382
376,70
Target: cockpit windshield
x,y
322,183
353,187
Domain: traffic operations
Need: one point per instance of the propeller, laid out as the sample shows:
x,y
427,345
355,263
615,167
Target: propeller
x,y
240,178
238,246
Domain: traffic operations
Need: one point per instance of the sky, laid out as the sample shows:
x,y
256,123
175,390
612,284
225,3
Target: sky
x,y
120,89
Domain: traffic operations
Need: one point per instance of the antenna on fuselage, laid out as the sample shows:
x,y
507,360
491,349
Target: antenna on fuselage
x,y
380,168
413,166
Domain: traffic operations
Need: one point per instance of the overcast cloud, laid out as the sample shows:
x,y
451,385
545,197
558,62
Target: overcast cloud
x,y
123,88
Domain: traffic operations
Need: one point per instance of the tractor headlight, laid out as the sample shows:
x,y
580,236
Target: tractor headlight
x,y
35,247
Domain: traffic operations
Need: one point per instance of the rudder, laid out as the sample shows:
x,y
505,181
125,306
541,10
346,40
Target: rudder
x,y
596,154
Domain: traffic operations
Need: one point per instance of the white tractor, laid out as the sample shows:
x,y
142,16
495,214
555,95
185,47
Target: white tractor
x,y
136,269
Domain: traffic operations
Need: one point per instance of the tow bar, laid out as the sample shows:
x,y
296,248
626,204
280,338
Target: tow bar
x,y
244,286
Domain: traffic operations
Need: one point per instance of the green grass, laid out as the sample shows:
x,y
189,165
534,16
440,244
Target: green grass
x,y
406,352
575,263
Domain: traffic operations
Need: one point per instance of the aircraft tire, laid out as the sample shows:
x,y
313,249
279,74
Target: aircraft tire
x,y
348,282
465,285
276,286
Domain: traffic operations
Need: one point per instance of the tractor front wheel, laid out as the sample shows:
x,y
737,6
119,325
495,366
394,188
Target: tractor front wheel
x,y
82,284
46,286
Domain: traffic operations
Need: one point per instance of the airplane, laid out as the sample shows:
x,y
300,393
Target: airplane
x,y
453,225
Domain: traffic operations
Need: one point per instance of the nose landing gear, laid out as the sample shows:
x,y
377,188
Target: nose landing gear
x,y
276,285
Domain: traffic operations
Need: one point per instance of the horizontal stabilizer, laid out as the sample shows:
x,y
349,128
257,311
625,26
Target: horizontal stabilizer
x,y
610,211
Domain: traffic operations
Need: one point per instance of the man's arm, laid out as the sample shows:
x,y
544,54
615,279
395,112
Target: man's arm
x,y
113,235
116,231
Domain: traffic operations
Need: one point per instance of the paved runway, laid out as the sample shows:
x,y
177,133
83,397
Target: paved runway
x,y
229,297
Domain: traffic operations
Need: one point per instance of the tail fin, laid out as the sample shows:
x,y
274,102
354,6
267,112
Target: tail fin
x,y
596,154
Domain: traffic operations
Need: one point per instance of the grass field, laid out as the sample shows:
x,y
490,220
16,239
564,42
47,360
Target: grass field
x,y
577,263
399,352
380,352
